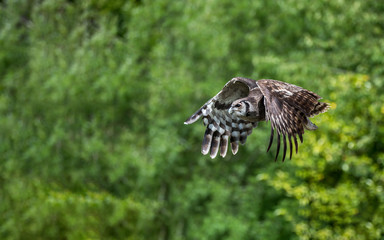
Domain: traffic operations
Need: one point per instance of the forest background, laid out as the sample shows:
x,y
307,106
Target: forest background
x,y
94,93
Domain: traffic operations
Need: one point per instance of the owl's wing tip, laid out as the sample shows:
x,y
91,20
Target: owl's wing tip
x,y
192,119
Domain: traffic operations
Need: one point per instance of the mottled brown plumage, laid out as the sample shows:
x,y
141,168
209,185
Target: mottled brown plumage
x,y
242,103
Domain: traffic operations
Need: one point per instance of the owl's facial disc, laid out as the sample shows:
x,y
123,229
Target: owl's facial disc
x,y
238,108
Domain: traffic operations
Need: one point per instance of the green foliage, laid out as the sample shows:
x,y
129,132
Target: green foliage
x,y
93,95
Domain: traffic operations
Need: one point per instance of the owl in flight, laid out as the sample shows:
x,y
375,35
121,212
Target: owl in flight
x,y
243,102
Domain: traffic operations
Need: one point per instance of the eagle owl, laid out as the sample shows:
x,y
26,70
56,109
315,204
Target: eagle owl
x,y
242,103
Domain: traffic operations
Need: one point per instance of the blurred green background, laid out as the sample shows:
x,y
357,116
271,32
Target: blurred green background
x,y
94,93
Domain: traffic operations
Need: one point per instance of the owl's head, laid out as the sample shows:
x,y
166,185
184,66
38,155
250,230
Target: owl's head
x,y
239,108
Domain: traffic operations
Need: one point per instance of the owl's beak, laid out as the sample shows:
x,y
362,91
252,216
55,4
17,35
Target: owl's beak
x,y
230,110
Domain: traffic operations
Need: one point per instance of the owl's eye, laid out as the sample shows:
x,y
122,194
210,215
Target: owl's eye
x,y
238,105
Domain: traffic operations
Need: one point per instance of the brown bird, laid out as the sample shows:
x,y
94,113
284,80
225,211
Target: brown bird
x,y
243,102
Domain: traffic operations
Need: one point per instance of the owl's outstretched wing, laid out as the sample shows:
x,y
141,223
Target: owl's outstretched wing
x,y
288,107
221,125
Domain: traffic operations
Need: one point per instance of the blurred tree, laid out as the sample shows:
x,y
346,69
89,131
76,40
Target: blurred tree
x,y
93,95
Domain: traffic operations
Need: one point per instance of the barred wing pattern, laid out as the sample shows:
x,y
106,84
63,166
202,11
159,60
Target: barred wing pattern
x,y
222,126
288,107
